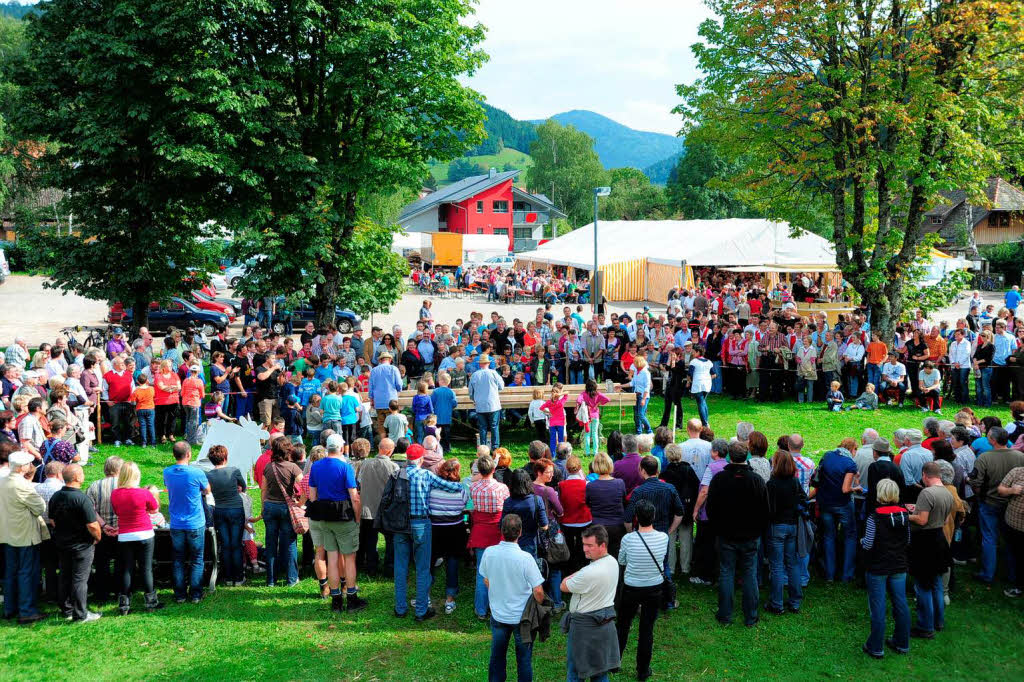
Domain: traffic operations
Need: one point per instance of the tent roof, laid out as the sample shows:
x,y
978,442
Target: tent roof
x,y
731,242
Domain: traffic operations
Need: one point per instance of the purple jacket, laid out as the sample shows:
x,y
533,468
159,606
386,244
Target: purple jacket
x,y
628,469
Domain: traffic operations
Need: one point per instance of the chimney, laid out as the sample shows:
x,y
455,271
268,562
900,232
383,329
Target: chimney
x,y
492,172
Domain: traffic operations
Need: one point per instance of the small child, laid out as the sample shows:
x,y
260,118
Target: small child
x,y
217,407
350,408
363,380
536,416
250,550
421,409
868,400
834,398
156,518
308,387
430,428
555,408
444,401
145,410
314,418
291,413
366,419
396,423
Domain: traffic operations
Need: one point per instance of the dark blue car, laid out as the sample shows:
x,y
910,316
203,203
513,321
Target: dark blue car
x,y
181,314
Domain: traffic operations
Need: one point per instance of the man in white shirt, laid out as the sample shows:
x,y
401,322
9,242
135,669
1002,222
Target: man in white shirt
x,y
512,578
592,642
894,380
852,359
696,451
960,365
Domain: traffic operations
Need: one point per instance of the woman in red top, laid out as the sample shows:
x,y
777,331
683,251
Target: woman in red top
x,y
167,389
135,537
576,514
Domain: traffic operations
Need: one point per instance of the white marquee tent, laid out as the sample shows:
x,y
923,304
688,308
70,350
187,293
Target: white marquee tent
x,y
643,259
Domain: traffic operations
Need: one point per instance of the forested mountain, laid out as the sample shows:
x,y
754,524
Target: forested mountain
x,y
503,131
16,9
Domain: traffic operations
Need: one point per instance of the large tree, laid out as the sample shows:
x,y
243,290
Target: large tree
x,y
134,97
566,168
12,51
360,95
699,187
874,105
633,197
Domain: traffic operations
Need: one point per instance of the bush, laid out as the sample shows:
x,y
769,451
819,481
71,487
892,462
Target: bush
x,y
17,256
1006,259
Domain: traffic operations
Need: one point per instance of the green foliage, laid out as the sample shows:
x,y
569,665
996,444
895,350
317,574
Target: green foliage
x,y
936,296
362,96
462,168
620,146
503,131
16,10
374,274
660,172
1006,258
566,168
699,186
634,197
12,51
868,110
134,98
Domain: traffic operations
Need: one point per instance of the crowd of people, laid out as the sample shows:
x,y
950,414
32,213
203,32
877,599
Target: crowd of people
x,y
504,285
617,532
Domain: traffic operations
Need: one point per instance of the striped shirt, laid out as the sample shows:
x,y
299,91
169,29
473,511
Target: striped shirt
x,y
488,495
804,469
447,508
641,570
421,482
99,492
772,342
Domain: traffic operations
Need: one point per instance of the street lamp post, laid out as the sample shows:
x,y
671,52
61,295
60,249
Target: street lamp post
x,y
594,293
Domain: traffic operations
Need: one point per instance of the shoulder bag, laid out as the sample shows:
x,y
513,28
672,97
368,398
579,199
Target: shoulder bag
x,y
667,588
300,524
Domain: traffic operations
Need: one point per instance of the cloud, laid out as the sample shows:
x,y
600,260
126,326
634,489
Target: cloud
x,y
620,59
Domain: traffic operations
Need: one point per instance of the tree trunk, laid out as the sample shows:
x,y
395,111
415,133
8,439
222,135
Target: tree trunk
x,y
325,296
140,310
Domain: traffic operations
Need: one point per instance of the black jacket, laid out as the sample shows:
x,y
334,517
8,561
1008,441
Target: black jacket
x,y
684,478
878,470
888,533
785,496
738,503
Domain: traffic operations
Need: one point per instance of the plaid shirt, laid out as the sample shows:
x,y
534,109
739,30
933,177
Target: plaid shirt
x,y
488,495
99,492
772,342
663,496
804,469
16,355
421,482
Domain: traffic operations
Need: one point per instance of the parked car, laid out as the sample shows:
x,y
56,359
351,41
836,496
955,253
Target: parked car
x,y
503,262
177,313
5,269
234,274
228,306
346,320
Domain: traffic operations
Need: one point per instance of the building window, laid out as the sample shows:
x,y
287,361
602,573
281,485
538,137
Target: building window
x,y
936,220
520,206
501,230
479,207
499,206
1000,219
523,232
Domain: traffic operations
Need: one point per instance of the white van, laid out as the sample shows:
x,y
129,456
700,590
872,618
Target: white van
x,y
5,269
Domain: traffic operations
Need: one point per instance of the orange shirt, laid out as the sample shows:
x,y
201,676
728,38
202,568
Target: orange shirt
x,y
936,347
877,352
192,391
143,398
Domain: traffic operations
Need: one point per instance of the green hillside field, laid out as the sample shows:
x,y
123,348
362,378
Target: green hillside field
x,y
519,159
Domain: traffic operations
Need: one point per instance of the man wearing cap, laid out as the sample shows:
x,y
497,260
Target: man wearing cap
x,y
332,482
120,386
21,533
882,468
385,383
117,344
415,545
485,387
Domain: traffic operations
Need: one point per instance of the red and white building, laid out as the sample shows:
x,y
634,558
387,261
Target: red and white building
x,y
484,204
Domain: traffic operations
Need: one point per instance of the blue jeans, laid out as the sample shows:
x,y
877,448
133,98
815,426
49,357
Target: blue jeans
x,y
785,566
576,376
488,423
831,518
991,520
500,636
243,405
230,523
961,384
716,382
21,580
895,585
737,556
931,608
188,547
480,603
702,406
874,375
556,434
555,585
804,390
854,383
147,426
414,546
640,415
570,673
418,430
280,550
983,387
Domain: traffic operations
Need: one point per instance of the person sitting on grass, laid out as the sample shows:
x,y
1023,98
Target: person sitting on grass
x,y
868,400
834,398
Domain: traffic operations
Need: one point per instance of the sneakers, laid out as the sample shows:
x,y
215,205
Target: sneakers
x,y
945,599
1013,592
891,643
938,411
90,617
129,442
449,608
412,603
117,443
694,580
872,654
426,616
924,409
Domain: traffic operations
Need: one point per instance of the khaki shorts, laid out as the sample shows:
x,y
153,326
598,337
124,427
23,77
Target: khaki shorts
x,y
337,536
315,534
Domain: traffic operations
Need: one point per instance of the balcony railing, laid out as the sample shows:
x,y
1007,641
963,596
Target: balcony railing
x,y
519,217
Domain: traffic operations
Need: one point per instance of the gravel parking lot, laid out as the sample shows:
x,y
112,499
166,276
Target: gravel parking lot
x,y
30,310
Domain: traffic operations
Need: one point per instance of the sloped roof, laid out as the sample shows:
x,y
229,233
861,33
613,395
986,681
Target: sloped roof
x,y
538,199
1001,194
456,192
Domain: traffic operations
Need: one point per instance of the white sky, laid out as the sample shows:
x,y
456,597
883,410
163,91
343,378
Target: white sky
x,y
619,58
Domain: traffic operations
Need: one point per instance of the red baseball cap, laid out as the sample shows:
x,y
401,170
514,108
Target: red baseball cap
x,y
415,451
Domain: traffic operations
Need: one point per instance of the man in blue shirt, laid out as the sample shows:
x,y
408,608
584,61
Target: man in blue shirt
x,y
444,401
1003,344
333,480
485,386
385,383
186,487
1013,298
836,473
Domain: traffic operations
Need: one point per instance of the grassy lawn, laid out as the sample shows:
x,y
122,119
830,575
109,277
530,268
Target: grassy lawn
x,y
520,160
287,633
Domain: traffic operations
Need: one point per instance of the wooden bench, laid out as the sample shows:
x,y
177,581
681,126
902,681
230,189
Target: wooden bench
x,y
519,397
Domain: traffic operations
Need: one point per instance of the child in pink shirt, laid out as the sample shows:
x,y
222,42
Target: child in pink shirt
x,y
555,409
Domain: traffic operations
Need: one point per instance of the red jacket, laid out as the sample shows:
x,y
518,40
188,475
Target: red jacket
x,y
119,388
572,493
